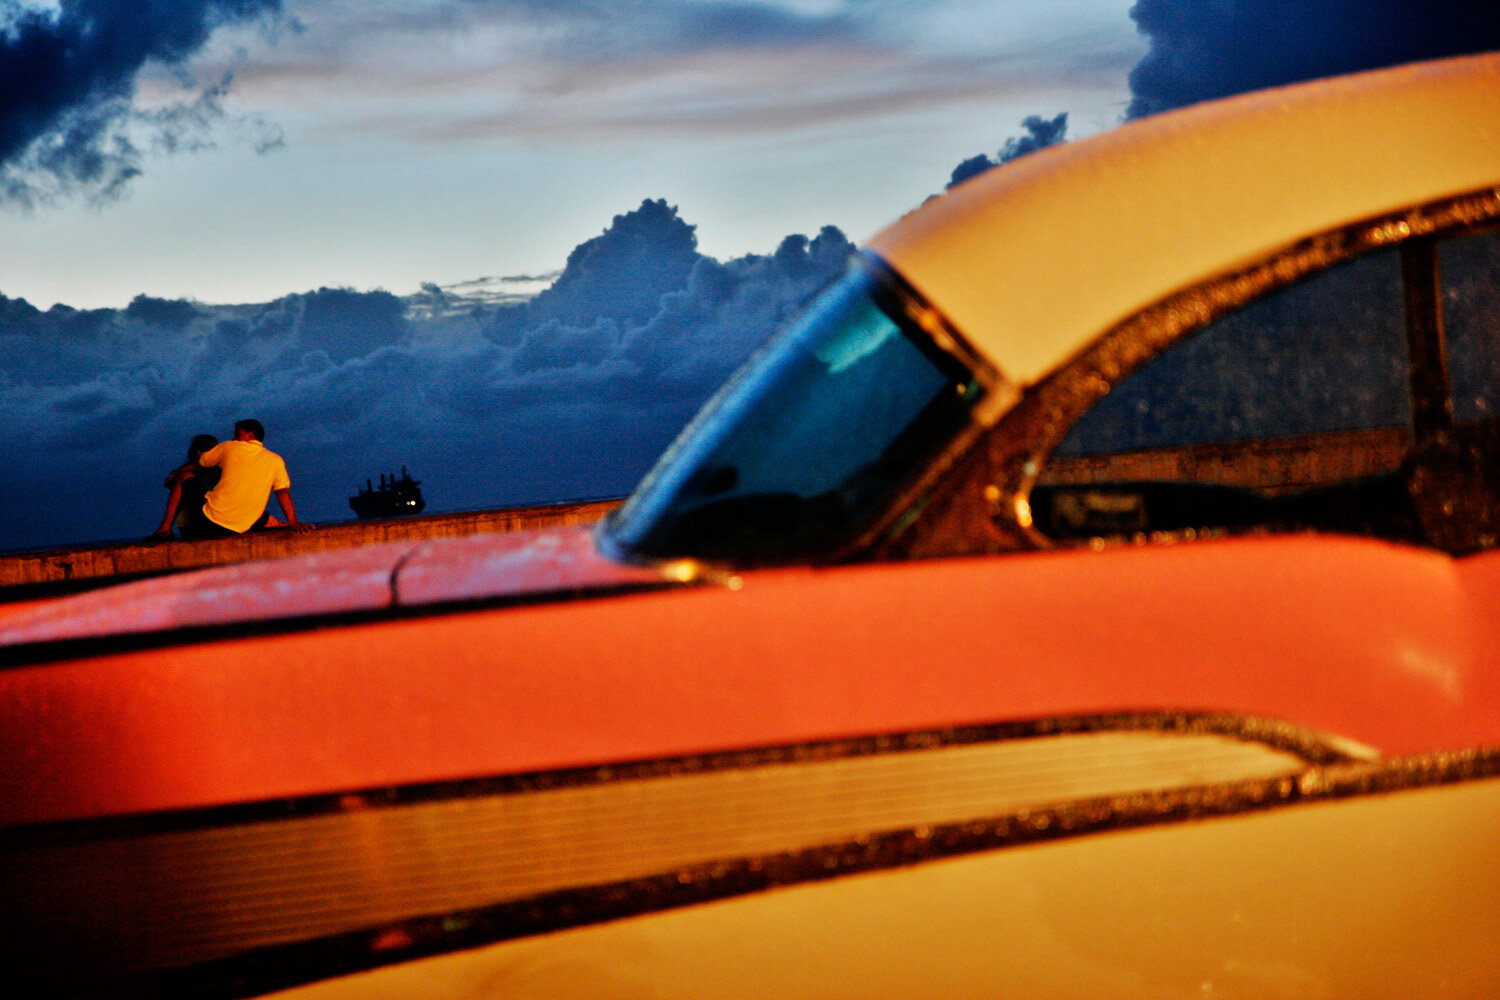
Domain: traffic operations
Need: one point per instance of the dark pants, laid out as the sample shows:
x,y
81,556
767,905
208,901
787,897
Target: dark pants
x,y
197,525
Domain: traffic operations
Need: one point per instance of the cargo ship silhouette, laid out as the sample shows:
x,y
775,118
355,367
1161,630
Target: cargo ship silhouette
x,y
392,498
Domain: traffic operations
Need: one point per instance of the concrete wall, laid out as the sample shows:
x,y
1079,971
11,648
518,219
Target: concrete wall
x,y
58,570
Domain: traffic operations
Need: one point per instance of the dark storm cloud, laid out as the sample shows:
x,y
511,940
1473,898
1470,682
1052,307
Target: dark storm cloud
x,y
624,271
569,395
68,80
1040,133
348,324
1203,49
172,315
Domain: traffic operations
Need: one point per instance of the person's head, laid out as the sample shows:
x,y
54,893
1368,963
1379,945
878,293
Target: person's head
x,y
251,428
199,445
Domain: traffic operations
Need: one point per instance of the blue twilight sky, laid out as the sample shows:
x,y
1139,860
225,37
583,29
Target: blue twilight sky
x,y
386,143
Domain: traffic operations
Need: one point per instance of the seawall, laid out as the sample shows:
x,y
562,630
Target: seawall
x,y
30,574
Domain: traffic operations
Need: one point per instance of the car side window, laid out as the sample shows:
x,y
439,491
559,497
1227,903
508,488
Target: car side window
x,y
1327,354
1470,269
1293,413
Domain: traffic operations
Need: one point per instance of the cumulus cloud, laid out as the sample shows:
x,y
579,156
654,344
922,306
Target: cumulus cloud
x,y
69,121
490,401
1203,49
1040,133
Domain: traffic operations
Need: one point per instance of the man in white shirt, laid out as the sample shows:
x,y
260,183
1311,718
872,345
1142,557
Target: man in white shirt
x,y
249,473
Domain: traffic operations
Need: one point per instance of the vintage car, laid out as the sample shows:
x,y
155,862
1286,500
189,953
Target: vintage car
x,y
1093,593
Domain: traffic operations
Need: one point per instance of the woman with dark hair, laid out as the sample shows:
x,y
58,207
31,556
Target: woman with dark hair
x,y
188,483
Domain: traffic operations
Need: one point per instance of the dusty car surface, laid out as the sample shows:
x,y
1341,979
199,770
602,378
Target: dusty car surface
x,y
1094,592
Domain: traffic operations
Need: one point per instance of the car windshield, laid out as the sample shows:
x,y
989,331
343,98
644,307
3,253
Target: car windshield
x,y
805,447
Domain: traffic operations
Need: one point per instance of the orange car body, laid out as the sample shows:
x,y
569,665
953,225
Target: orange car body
x,y
1393,647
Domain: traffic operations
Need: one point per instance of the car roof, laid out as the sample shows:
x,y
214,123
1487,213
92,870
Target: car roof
x,y
1033,259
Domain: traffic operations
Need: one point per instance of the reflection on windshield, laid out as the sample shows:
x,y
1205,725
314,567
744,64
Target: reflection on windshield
x,y
802,449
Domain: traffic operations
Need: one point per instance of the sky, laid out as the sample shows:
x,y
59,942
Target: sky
x,y
387,143
510,244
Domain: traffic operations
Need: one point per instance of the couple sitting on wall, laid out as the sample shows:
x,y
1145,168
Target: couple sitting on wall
x,y
222,489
